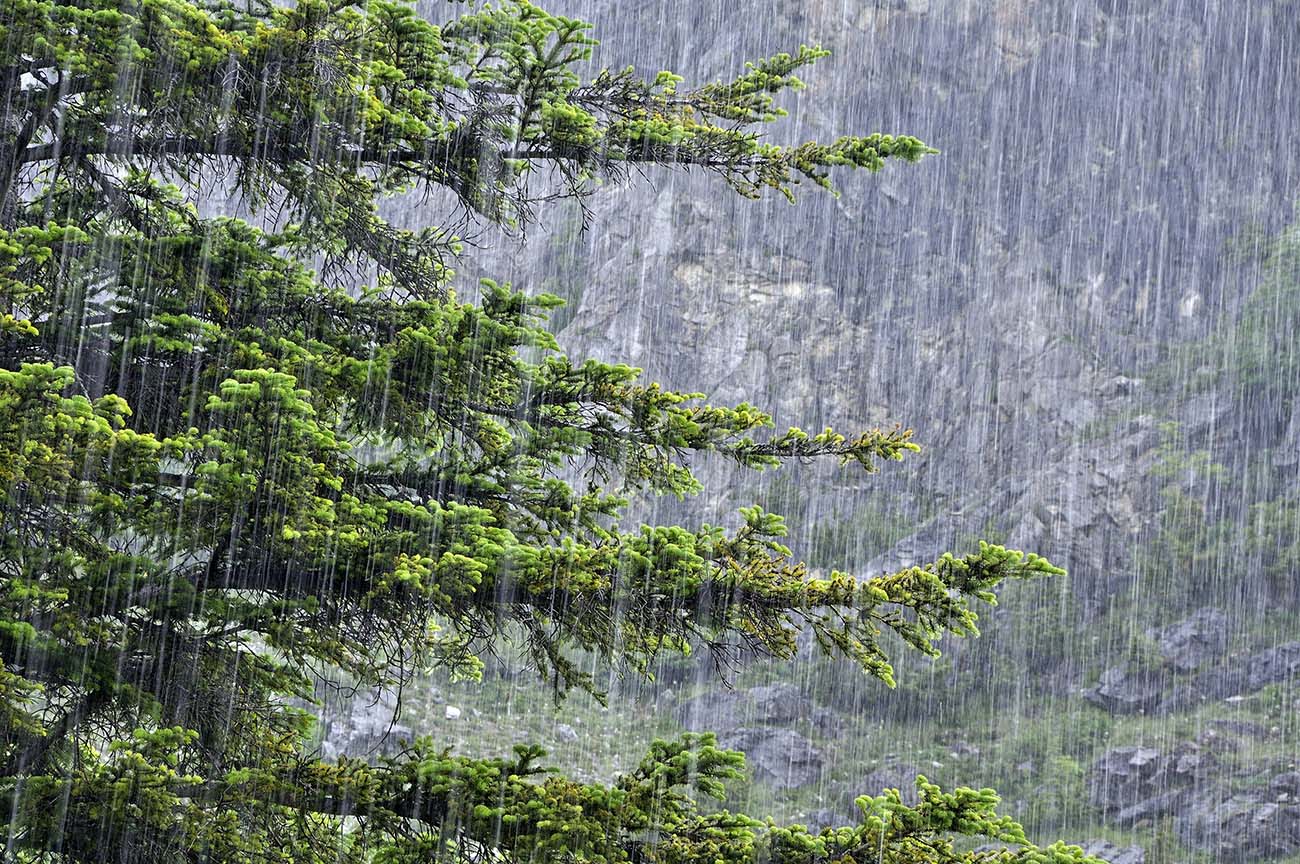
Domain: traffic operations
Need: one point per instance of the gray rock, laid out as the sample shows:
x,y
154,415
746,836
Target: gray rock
x,y
781,758
901,776
1239,728
1128,689
1245,675
1124,777
566,733
365,728
722,710
1241,828
1181,696
1112,854
1132,784
1289,453
778,703
1205,411
1196,640
1120,385
1148,809
827,723
1274,666
1286,783
823,818
1221,682
717,710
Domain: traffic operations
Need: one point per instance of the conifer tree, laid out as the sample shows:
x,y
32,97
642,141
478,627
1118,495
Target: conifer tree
x,y
226,470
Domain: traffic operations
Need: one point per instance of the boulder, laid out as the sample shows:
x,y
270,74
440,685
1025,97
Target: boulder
x,y
1221,682
1112,854
1241,828
1198,639
1123,777
781,758
1238,728
1134,783
1149,809
722,710
777,703
363,727
827,723
824,818
901,776
1128,689
1273,666
1285,786
1247,674
716,710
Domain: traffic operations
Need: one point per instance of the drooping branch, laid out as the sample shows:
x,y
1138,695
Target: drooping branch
x,y
509,807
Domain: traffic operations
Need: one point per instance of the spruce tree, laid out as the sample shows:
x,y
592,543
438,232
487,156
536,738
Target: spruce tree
x,y
237,454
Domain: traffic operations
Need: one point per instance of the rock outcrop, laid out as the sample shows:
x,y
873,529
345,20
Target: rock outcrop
x,y
363,727
781,758
1194,641
751,721
1112,854
1129,689
722,710
1209,792
1017,300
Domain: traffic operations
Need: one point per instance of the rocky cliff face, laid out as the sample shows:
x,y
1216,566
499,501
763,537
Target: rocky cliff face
x,y
1024,300
1008,298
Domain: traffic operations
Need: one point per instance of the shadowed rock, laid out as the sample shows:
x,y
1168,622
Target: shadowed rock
x,y
1128,689
1112,854
1196,640
781,758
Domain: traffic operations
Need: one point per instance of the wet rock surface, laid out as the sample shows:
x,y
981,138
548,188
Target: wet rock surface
x,y
1277,665
751,721
1128,689
1216,802
781,758
1195,641
1112,854
363,727
722,709
1196,669
1128,777
1241,828
900,776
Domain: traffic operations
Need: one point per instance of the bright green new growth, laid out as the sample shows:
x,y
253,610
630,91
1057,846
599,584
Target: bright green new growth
x,y
223,474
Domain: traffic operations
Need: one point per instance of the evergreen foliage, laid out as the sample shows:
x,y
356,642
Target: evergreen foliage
x,y
225,472
1262,359
1208,519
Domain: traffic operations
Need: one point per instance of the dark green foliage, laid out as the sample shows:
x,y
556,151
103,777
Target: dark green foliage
x,y
1208,524
226,473
1262,354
